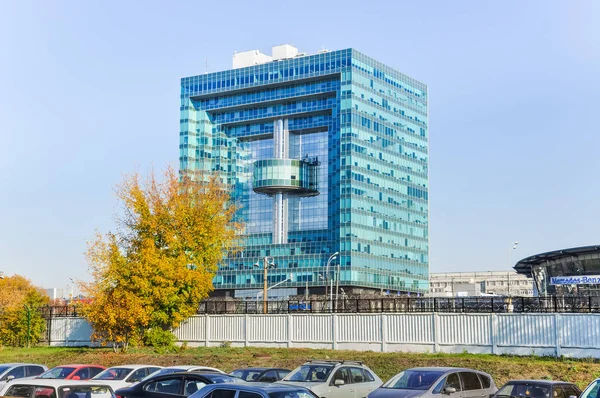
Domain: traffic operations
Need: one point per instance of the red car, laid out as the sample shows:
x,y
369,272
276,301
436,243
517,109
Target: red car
x,y
72,372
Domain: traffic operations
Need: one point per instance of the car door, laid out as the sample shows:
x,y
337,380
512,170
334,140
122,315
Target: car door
x,y
557,392
347,389
571,390
362,385
193,383
453,381
34,370
17,372
171,386
137,375
471,385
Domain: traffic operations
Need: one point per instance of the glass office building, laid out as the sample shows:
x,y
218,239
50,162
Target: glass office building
x,y
324,153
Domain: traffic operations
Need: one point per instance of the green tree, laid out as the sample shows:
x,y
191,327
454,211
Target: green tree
x,y
159,264
17,294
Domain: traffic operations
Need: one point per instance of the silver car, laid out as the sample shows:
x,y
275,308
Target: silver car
x,y
334,379
436,382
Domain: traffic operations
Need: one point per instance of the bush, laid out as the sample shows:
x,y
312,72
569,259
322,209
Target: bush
x,y
159,339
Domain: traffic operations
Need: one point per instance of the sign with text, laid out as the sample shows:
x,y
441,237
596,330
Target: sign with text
x,y
575,280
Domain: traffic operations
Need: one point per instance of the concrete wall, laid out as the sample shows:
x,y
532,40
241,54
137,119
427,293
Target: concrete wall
x,y
571,335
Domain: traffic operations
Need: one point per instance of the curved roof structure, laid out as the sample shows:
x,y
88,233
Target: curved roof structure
x,y
524,265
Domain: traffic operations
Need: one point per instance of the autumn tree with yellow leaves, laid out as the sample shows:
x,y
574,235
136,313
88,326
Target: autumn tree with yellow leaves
x,y
18,297
155,269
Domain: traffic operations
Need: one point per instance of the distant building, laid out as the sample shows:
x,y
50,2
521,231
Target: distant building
x,y
564,272
457,284
325,153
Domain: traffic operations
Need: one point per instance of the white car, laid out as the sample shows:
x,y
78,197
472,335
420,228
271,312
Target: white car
x,y
334,379
15,371
183,368
58,388
125,375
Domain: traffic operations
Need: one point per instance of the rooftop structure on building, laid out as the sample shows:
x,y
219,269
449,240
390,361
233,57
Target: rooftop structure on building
x,y
325,153
501,283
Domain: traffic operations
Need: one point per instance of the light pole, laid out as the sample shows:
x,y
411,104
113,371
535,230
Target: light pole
x,y
331,258
510,249
337,286
289,278
266,266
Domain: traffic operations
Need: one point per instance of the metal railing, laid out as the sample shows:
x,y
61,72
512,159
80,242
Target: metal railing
x,y
555,304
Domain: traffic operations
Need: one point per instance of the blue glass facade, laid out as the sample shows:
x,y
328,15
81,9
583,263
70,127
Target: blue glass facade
x,y
339,143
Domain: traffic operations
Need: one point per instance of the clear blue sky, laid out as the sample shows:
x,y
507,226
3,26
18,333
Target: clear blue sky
x,y
90,90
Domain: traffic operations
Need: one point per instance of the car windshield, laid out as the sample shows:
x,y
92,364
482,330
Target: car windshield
x,y
60,372
248,374
219,378
413,380
85,391
114,374
592,391
525,390
4,369
291,394
163,371
311,373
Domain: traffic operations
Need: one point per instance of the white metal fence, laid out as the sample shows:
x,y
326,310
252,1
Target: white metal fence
x,y
574,335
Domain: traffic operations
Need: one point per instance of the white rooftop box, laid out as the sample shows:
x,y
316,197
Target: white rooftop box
x,y
284,51
249,58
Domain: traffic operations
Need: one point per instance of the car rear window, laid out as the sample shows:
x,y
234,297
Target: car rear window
x,y
85,391
470,381
291,394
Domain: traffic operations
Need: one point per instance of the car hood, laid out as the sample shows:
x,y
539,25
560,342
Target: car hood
x,y
395,393
308,384
115,384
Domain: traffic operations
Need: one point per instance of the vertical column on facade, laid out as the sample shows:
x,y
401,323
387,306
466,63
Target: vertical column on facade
x,y
281,136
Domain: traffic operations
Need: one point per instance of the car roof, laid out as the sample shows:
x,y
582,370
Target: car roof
x,y
78,366
256,387
550,382
199,373
135,366
251,369
20,364
56,382
446,369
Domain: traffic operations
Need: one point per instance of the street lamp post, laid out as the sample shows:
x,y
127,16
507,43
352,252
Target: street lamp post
x,y
510,249
266,266
331,258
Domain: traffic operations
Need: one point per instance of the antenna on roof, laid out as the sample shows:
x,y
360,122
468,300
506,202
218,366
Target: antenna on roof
x,y
206,65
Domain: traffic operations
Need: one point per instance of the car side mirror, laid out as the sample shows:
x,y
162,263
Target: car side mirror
x,y
449,390
338,382
75,378
9,378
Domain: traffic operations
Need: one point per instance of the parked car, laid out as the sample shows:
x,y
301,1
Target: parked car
x,y
72,372
254,390
592,390
12,371
58,388
434,382
125,375
182,384
334,379
183,368
264,375
538,389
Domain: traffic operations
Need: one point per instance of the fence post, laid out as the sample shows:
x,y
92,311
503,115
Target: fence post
x,y
289,330
206,329
383,332
435,322
558,334
493,332
246,330
334,327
